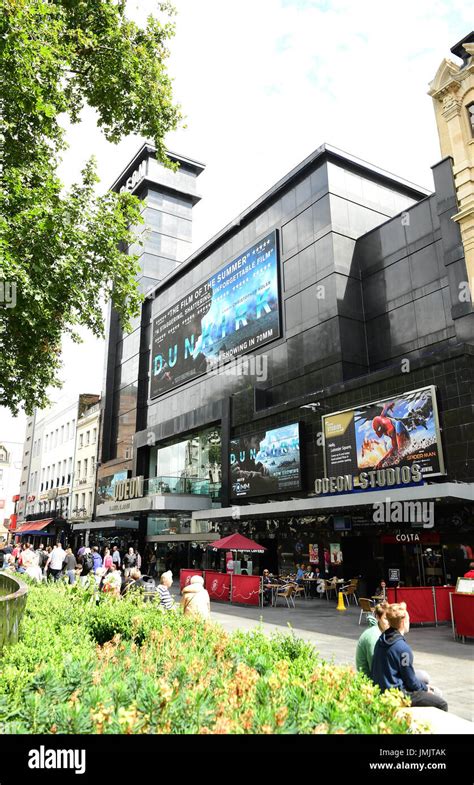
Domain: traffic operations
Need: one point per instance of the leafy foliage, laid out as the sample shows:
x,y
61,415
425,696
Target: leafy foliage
x,y
62,252
127,667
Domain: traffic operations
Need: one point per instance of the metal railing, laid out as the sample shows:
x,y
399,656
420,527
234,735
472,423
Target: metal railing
x,y
201,486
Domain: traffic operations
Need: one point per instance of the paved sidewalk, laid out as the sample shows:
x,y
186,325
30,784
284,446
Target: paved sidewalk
x,y
335,634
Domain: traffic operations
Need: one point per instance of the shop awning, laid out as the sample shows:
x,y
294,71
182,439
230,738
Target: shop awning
x,y
32,527
237,542
311,505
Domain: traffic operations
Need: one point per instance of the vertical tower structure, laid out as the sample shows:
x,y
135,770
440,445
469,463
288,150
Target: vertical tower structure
x,y
166,235
452,91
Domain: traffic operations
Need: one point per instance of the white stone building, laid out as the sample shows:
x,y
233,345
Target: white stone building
x,y
85,465
47,480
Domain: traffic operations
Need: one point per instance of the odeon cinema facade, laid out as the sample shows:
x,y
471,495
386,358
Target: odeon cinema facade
x,y
305,378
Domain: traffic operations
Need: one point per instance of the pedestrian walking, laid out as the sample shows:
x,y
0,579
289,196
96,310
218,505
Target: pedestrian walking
x,y
97,559
86,561
116,558
70,565
108,561
55,561
130,561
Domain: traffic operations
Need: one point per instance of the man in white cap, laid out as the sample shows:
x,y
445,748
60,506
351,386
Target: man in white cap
x,y
166,581
196,601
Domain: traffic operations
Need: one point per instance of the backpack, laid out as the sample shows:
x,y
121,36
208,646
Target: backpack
x,y
87,563
150,591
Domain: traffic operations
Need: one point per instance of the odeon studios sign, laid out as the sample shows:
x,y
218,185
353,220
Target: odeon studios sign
x,y
375,478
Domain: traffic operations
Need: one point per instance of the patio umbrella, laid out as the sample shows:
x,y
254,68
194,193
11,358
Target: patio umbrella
x,y
237,542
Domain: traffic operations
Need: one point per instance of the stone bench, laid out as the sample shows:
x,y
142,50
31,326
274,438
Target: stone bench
x,y
442,722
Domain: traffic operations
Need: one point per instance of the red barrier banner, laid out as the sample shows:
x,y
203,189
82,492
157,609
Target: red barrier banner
x,y
218,585
246,589
443,611
420,605
463,613
185,577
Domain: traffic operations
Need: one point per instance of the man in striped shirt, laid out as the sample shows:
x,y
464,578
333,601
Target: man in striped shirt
x,y
166,581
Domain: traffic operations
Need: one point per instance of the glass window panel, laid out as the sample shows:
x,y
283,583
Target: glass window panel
x,y
156,266
125,399
127,372
303,191
167,224
289,237
319,181
197,456
304,224
289,202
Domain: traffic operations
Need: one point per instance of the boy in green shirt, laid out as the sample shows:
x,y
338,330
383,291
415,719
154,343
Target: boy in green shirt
x,y
368,639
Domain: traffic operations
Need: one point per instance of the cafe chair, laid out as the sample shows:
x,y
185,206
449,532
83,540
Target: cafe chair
x,y
330,586
288,594
348,593
365,607
353,582
300,590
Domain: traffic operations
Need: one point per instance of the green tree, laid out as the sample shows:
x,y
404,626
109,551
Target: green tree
x,y
63,252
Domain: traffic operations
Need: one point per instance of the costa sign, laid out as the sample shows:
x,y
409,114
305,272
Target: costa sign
x,y
380,478
128,489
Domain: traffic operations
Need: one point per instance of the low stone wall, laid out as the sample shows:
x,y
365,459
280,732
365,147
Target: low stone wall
x,y
13,593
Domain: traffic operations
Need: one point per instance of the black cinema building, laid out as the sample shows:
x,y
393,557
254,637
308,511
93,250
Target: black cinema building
x,y
306,377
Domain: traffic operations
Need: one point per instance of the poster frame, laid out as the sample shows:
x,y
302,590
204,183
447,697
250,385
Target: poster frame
x,y
432,388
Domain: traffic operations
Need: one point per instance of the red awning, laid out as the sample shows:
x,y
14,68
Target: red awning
x,y
237,542
29,526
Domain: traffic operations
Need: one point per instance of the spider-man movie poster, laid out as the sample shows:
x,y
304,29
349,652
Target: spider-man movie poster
x,y
397,431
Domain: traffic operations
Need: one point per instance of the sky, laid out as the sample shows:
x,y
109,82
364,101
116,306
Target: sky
x,y
262,84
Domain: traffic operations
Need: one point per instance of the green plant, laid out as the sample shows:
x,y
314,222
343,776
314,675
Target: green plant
x,y
122,666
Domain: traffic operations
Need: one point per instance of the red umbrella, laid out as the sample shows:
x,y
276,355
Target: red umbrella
x,y
237,542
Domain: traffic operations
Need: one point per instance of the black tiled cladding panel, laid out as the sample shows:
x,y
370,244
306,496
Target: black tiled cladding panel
x,y
386,297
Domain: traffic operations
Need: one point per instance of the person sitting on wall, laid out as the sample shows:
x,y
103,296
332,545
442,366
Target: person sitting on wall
x,y
366,643
392,663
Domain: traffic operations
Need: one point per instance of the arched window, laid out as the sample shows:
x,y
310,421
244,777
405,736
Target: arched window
x,y
470,114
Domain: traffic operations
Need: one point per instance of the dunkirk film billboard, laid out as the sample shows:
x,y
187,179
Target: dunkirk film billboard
x,y
234,312
397,431
266,462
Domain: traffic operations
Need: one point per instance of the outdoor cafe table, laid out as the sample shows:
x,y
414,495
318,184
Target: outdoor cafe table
x,y
274,588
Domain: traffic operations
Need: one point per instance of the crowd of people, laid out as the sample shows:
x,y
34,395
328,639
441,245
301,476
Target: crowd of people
x,y
385,657
110,571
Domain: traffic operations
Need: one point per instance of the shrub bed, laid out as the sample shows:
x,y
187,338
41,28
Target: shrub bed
x,y
126,667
